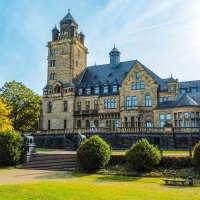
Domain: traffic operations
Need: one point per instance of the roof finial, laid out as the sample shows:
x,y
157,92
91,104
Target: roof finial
x,y
55,25
68,10
114,45
95,63
171,75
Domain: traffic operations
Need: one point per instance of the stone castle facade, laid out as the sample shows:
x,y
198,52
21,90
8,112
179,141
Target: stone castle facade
x,y
114,97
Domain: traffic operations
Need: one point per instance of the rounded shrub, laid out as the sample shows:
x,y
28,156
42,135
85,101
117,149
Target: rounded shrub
x,y
196,157
142,155
11,147
94,153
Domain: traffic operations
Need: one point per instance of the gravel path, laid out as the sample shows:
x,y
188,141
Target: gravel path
x,y
15,176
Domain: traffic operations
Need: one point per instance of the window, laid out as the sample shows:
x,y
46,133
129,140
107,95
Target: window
x,y
164,118
141,85
79,124
52,52
186,115
80,91
96,123
87,124
149,124
65,106
137,75
87,105
76,63
171,88
114,88
49,125
49,107
52,63
128,101
110,103
52,76
169,98
183,90
96,90
79,107
137,85
193,89
96,104
65,124
168,117
160,99
88,90
105,89
134,101
147,100
164,99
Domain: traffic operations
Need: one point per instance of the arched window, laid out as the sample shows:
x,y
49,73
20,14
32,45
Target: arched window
x,y
87,124
57,89
65,106
132,122
96,123
125,122
79,124
49,107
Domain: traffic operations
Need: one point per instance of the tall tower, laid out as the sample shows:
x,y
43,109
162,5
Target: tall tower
x,y
66,60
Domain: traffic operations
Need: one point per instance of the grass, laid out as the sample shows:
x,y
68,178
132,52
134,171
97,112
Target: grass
x,y
44,150
165,152
99,187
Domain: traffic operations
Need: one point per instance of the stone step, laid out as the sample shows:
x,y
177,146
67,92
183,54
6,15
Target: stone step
x,y
59,162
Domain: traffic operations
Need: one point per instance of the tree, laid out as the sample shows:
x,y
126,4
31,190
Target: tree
x,y
24,104
196,157
5,121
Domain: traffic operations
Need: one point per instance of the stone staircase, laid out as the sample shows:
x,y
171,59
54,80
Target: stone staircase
x,y
57,162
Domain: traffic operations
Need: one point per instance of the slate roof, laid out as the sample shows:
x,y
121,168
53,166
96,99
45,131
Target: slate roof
x,y
68,17
105,74
163,85
187,99
190,84
169,80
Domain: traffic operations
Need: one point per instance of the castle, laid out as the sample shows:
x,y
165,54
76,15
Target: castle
x,y
115,97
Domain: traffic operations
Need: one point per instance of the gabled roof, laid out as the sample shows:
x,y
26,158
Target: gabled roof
x,y
101,73
186,100
160,81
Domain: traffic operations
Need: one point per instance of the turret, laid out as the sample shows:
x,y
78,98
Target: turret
x,y
82,37
114,57
55,33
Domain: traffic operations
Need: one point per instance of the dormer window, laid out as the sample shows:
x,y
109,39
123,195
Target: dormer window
x,y
96,90
183,90
114,88
80,91
88,90
193,89
137,75
105,89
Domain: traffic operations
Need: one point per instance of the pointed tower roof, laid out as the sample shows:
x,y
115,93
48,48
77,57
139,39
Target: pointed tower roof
x,y
68,17
55,29
114,51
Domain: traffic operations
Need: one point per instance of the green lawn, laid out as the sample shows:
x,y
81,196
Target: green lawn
x,y
99,187
44,150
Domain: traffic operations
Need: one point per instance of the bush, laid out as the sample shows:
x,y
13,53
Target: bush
x,y
117,159
176,162
11,147
93,154
196,157
143,156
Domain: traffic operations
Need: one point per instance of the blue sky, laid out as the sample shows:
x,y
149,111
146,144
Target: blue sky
x,y
163,35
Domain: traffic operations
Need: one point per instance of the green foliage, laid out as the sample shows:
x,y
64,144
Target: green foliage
x,y
24,104
142,155
11,147
196,157
93,154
